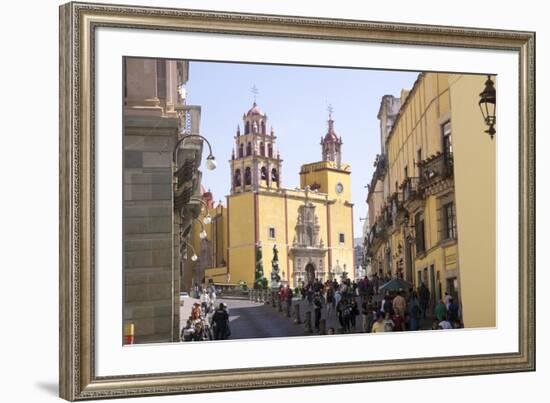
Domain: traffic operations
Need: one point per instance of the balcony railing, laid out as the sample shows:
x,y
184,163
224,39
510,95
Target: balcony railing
x,y
379,171
188,156
189,118
435,168
410,189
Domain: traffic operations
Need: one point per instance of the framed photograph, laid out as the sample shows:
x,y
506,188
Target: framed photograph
x,y
259,201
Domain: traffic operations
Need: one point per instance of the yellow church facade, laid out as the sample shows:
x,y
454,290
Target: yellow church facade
x,y
311,227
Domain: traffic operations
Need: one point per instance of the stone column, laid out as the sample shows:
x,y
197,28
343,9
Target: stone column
x,y
141,76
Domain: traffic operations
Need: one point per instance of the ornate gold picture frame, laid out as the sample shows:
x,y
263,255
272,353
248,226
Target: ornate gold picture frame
x,y
79,23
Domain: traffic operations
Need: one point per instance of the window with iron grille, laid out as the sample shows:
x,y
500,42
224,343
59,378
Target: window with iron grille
x,y
449,220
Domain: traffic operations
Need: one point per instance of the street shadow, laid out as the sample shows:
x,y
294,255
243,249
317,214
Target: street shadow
x,y
261,321
50,387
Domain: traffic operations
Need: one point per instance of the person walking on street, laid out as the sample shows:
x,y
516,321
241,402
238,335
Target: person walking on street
x,y
205,302
329,297
367,316
221,323
346,315
187,331
288,297
317,311
445,324
398,322
448,299
387,306
354,313
452,309
399,304
378,326
196,311
389,324
414,313
440,311
424,299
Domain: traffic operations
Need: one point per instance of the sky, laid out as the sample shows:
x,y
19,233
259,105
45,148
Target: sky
x,y
296,101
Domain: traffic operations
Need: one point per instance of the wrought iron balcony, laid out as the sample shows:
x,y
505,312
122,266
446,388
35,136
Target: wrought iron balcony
x,y
410,189
189,118
187,156
435,168
380,167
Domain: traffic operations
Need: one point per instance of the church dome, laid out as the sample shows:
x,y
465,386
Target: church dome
x,y
255,111
331,134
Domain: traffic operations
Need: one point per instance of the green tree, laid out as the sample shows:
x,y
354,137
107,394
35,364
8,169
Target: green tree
x,y
259,273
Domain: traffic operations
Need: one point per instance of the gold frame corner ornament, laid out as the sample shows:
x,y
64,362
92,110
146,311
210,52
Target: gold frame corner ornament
x,y
78,22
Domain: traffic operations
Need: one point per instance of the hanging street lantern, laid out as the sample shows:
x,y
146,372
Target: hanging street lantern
x,y
487,105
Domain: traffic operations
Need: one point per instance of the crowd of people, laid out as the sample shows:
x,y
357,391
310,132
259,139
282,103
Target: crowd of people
x,y
341,304
207,322
380,310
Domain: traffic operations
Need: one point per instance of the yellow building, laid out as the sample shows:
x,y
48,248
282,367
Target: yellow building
x,y
310,226
437,164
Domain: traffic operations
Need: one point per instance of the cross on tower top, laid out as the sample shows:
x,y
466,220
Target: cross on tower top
x,y
254,90
330,109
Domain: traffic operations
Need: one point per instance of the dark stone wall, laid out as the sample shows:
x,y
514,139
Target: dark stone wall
x,y
151,286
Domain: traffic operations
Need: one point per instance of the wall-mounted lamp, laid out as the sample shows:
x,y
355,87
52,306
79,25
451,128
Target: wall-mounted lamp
x,y
207,218
210,160
202,234
183,251
487,105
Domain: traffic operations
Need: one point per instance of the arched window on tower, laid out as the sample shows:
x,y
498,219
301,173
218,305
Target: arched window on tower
x,y
274,175
263,126
247,128
249,148
270,150
238,177
241,150
264,173
262,149
247,176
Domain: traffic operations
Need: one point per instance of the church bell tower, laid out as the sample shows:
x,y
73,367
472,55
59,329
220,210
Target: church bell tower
x,y
255,162
331,145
